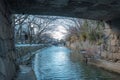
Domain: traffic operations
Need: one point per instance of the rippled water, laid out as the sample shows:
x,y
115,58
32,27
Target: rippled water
x,y
54,63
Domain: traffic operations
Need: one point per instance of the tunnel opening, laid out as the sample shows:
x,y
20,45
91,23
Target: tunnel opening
x,y
103,48
92,39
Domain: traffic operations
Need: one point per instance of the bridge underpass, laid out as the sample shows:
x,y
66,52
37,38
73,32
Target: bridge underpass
x,y
106,10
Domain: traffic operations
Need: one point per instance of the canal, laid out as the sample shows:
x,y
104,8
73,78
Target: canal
x,y
55,63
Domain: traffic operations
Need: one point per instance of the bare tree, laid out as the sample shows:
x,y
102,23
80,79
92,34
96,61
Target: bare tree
x,y
40,23
19,20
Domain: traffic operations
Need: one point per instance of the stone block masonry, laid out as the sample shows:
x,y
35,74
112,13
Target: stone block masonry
x,y
7,66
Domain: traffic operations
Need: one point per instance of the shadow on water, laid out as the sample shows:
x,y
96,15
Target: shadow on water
x,y
58,63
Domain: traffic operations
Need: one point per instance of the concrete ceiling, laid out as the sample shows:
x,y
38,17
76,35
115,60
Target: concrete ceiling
x,y
88,9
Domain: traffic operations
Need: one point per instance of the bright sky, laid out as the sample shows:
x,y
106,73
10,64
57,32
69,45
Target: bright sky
x,y
59,32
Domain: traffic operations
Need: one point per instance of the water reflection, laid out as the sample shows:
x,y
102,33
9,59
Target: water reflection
x,y
59,58
56,63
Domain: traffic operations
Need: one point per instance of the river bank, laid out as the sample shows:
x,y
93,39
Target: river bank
x,y
101,63
26,73
107,65
24,61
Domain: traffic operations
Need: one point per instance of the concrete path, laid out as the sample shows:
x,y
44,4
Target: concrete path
x,y
26,73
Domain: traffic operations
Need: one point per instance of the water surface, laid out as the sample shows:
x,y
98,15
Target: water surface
x,y
55,63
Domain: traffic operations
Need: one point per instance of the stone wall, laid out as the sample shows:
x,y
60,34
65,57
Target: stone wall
x,y
7,66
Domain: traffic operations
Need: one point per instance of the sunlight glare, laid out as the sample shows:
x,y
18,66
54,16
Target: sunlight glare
x,y
59,58
59,33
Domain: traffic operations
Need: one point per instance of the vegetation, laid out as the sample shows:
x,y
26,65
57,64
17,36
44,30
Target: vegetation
x,y
29,28
86,30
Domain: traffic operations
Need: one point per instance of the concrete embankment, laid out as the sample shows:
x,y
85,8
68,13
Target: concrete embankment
x,y
24,61
26,73
107,65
